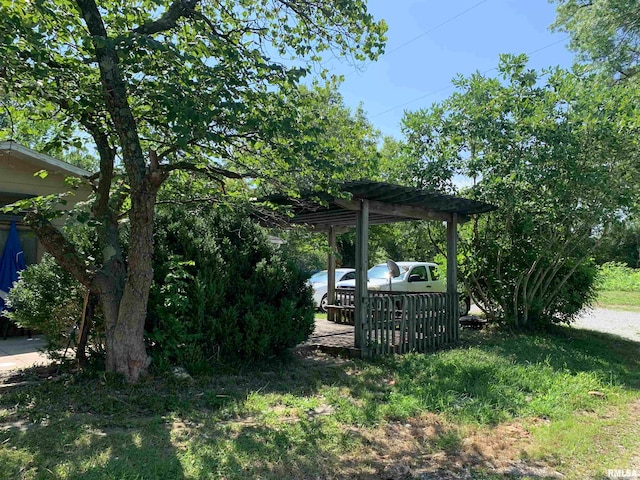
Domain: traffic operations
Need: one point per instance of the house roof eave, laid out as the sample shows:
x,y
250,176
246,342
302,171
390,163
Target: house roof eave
x,y
41,160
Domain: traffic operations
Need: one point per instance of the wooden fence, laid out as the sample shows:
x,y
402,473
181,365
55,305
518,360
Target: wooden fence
x,y
402,322
410,322
343,309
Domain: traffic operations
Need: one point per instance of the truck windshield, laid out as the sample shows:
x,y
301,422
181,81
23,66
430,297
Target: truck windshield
x,y
379,271
382,271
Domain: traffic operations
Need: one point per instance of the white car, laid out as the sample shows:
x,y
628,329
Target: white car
x,y
414,277
318,282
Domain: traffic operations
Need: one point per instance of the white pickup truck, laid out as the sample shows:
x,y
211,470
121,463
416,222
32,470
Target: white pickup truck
x,y
413,277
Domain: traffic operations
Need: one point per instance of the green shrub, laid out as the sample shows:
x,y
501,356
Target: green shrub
x,y
47,299
521,278
618,277
222,291
579,292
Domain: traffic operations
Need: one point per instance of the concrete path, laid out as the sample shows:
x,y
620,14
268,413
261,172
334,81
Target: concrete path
x,y
616,322
22,352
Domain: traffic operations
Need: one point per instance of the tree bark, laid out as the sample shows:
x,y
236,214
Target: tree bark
x,y
126,353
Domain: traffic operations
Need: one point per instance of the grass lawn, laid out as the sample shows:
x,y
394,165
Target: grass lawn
x,y
497,406
619,300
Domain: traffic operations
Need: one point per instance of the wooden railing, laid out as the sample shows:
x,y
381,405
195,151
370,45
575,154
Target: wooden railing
x,y
401,323
342,309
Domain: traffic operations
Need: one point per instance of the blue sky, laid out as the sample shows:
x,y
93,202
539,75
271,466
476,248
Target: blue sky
x,y
465,43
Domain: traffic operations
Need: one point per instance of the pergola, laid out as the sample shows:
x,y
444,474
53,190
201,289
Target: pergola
x,y
374,203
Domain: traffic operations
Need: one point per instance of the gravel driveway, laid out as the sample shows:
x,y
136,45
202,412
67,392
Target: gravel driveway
x,y
616,322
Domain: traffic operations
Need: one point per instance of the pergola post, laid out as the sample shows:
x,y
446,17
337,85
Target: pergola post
x,y
453,327
362,264
331,275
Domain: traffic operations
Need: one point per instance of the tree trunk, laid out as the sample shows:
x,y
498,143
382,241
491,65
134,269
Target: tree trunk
x,y
125,347
125,317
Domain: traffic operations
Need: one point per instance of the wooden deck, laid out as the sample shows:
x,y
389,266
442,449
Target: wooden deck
x,y
338,338
332,337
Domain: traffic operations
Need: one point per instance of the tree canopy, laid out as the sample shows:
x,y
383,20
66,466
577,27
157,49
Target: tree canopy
x,y
160,85
200,77
557,152
606,32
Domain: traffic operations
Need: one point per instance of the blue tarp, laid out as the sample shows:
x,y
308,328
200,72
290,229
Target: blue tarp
x,y
11,263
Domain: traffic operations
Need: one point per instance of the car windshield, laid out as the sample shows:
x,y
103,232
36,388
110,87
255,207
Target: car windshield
x,y
322,277
319,277
382,271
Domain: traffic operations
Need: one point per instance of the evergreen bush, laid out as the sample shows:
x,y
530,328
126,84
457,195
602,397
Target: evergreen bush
x,y
222,291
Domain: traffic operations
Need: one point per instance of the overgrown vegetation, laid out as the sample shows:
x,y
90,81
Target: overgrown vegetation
x,y
222,291
605,33
620,244
566,403
48,300
552,150
618,277
178,85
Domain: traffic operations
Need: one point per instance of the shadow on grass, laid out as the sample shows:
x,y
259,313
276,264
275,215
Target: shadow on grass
x,y
89,447
493,377
302,417
611,357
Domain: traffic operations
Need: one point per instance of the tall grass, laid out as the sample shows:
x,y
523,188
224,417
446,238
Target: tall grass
x,y
618,277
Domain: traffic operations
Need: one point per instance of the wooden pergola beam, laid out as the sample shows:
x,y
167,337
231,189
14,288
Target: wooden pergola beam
x,y
396,210
320,228
322,223
379,214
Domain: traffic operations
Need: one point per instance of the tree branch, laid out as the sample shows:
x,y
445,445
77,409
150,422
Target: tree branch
x,y
62,249
178,9
209,170
433,242
105,175
115,94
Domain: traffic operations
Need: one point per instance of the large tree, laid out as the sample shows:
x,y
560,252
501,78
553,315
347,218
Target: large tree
x,y
161,85
558,154
606,32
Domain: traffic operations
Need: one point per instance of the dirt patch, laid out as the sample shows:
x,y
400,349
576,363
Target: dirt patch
x,y
430,447
499,450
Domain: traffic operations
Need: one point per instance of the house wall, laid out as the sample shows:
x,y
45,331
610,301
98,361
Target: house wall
x,y
17,176
17,181
18,165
